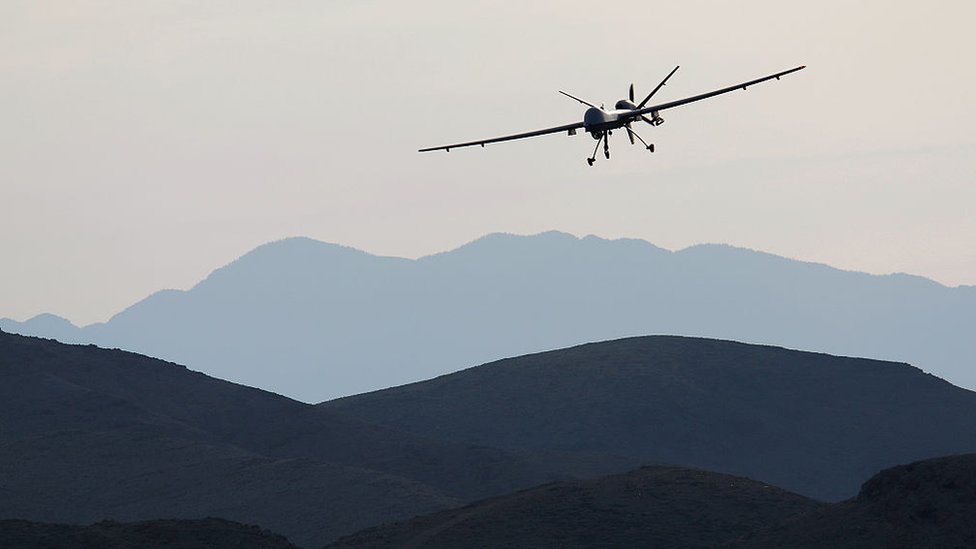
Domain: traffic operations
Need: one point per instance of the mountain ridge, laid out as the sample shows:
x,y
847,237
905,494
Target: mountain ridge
x,y
321,309
12,322
927,503
92,434
648,507
811,423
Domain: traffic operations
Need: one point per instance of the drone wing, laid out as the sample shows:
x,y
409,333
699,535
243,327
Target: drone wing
x,y
687,100
570,128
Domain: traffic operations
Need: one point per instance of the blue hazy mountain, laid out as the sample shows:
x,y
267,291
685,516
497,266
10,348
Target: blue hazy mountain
x,y
315,321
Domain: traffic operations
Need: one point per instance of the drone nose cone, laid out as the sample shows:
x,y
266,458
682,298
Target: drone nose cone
x,y
594,117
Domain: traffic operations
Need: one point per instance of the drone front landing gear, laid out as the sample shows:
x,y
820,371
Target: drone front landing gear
x,y
606,148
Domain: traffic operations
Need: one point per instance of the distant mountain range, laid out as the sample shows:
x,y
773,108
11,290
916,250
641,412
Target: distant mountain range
x,y
315,321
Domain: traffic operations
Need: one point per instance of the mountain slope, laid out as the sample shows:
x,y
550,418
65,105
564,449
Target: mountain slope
x,y
650,507
316,321
207,533
810,423
925,504
90,434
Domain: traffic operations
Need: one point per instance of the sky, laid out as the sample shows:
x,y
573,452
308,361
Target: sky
x,y
144,144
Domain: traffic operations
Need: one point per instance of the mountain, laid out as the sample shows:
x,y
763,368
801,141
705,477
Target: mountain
x,y
209,533
925,504
90,434
651,507
316,321
48,325
811,423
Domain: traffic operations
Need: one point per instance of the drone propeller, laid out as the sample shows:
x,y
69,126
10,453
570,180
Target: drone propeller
x,y
631,94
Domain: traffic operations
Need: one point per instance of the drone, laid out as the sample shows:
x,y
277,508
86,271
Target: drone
x,y
600,122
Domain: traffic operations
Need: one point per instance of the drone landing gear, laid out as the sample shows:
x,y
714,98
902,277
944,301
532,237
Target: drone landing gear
x,y
650,147
606,148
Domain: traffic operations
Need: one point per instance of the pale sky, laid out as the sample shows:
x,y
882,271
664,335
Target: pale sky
x,y
143,144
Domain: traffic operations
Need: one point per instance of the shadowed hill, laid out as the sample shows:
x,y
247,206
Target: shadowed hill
x,y
651,507
90,434
811,423
925,504
209,533
315,321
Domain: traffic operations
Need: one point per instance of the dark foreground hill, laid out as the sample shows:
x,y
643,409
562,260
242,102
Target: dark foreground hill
x,y
652,507
209,533
316,321
811,423
91,434
926,504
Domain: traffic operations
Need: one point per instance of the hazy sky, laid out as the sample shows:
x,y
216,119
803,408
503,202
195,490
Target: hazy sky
x,y
143,144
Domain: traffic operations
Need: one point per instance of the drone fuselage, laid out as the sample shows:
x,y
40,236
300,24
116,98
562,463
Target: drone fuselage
x,y
596,120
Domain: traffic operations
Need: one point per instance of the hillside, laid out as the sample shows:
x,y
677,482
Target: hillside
x,y
334,321
92,434
651,507
925,504
210,533
811,423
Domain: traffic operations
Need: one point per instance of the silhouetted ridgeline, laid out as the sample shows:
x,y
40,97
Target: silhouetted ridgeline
x,y
652,507
315,321
811,423
925,504
91,434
